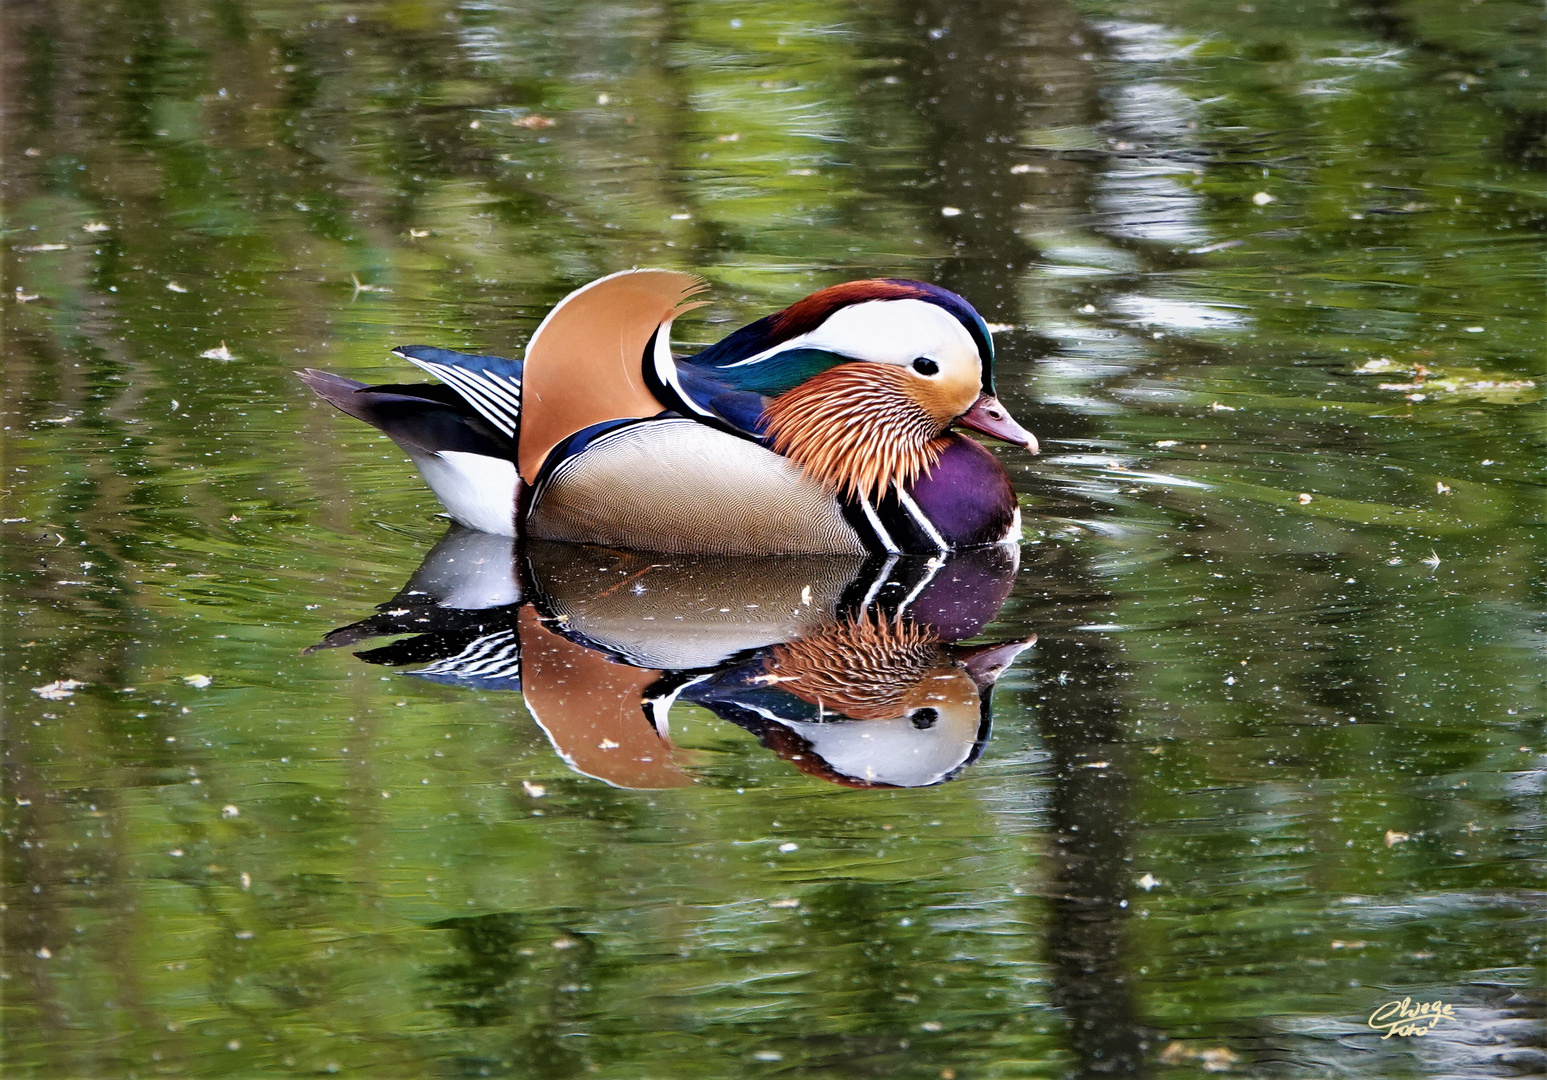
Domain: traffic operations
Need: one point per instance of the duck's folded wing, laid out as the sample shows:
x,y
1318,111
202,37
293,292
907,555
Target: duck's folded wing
x,y
584,365
490,384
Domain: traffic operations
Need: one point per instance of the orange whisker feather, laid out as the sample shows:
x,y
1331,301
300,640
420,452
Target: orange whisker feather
x,y
859,428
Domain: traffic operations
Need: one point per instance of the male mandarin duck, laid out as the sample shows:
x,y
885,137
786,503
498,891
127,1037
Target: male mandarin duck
x,y
823,428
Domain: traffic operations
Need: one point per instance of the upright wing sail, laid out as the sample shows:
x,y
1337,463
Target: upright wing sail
x,y
583,366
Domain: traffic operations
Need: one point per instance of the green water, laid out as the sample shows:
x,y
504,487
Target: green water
x,y
1268,284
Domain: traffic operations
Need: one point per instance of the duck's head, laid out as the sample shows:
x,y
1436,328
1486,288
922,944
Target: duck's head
x,y
863,379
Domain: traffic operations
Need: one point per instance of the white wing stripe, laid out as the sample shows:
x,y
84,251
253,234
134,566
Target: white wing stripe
x,y
496,396
501,387
482,394
492,384
666,368
493,411
496,654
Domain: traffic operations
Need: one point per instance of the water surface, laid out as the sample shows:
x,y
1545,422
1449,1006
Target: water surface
x,y
1266,280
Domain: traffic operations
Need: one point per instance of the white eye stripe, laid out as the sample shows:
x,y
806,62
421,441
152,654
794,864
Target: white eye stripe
x,y
888,332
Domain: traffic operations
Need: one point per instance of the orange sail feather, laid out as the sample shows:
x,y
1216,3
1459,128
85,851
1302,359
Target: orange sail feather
x,y
583,366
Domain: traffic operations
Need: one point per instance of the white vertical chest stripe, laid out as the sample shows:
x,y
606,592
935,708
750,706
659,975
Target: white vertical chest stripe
x,y
916,512
883,537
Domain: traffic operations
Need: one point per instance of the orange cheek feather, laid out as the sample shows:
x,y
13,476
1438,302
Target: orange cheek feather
x,y
947,397
863,427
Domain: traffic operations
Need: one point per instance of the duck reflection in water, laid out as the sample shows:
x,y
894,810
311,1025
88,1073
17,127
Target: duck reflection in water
x,y
849,667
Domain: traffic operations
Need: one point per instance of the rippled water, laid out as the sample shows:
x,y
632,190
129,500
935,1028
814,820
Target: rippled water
x,y
1266,280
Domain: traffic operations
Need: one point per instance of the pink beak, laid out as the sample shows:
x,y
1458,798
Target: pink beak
x,y
990,418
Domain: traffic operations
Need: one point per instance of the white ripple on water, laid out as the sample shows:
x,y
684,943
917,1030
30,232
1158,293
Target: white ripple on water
x,y
1177,314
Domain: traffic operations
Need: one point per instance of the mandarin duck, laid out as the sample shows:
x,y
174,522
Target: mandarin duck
x,y
852,668
823,428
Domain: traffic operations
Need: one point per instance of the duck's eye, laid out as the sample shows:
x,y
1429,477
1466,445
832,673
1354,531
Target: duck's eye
x,y
925,718
925,366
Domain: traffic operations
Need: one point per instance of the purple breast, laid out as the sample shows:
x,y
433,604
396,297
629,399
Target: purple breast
x,y
966,495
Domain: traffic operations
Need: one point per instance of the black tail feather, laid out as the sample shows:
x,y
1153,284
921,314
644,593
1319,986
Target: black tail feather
x,y
423,418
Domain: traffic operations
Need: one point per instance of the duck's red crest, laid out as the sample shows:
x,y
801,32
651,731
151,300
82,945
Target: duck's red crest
x,y
806,315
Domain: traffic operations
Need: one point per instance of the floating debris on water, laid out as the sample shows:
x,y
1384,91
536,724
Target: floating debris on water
x,y
1214,1059
59,689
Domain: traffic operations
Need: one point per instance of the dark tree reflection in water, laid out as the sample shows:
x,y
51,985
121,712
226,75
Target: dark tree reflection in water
x,y
980,85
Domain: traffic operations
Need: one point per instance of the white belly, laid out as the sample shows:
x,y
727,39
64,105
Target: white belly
x,y
477,491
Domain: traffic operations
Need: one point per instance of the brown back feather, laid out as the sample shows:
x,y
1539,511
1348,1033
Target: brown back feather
x,y
583,366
